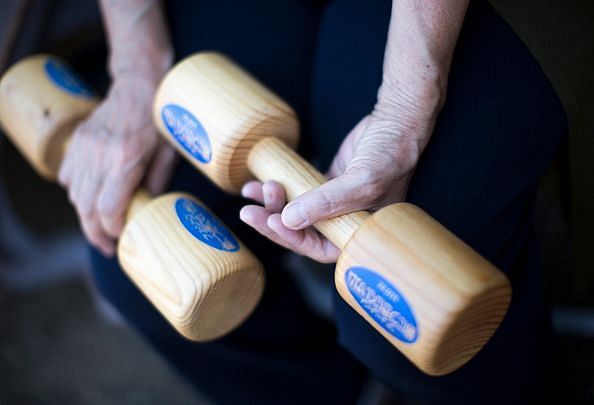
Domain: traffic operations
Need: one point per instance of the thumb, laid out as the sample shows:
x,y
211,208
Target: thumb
x,y
160,169
341,195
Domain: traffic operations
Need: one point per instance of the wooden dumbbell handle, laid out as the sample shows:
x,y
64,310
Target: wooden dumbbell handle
x,y
271,159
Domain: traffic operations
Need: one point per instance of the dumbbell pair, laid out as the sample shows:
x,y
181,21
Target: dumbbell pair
x,y
423,289
201,278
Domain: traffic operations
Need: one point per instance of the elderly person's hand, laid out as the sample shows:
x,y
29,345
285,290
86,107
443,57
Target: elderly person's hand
x,y
376,160
109,155
371,170
117,147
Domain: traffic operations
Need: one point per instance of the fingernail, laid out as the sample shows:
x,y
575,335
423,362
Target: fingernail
x,y
293,216
244,216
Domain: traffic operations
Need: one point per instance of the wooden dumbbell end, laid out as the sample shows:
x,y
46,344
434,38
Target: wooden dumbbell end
x,y
41,101
422,288
221,118
213,112
469,330
194,271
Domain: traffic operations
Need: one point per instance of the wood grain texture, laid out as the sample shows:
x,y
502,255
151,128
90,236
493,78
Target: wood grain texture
x,y
271,159
235,110
38,115
202,291
458,298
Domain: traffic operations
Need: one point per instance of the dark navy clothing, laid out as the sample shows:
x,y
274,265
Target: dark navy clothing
x,y
496,134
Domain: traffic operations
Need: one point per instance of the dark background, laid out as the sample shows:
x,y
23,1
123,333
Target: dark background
x,y
59,343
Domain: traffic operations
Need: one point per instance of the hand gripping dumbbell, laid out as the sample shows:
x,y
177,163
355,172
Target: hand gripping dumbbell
x,y
422,288
201,278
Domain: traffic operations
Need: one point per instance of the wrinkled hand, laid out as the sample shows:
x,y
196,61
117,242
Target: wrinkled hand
x,y
109,155
372,169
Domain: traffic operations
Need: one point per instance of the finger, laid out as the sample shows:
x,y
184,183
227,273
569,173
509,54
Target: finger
x,y
88,184
161,169
65,172
344,194
75,185
274,196
307,242
257,217
86,193
96,236
114,199
253,191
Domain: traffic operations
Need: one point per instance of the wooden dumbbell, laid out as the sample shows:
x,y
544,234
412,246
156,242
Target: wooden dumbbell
x,y
201,278
417,284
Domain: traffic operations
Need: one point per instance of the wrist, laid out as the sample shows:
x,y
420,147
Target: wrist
x,y
420,90
138,39
408,108
406,139
148,63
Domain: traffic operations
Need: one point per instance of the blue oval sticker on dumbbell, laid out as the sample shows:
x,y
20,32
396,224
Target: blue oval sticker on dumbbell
x,y
204,226
65,78
187,131
383,302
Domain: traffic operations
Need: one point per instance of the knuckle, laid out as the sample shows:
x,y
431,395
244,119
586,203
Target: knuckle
x,y
370,186
371,190
93,237
84,209
134,149
82,136
90,230
106,207
72,197
327,203
63,177
80,131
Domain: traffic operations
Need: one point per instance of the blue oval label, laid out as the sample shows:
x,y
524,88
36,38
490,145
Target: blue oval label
x,y
66,79
204,226
187,131
383,302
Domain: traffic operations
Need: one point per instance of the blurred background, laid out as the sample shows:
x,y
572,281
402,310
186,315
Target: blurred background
x,y
58,341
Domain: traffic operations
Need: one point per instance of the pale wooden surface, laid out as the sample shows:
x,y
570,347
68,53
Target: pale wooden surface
x,y
37,115
458,297
235,110
271,159
202,291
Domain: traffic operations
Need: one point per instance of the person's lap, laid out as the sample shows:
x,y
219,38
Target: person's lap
x,y
497,132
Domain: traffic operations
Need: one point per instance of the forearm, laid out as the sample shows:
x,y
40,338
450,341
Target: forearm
x,y
421,41
138,39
